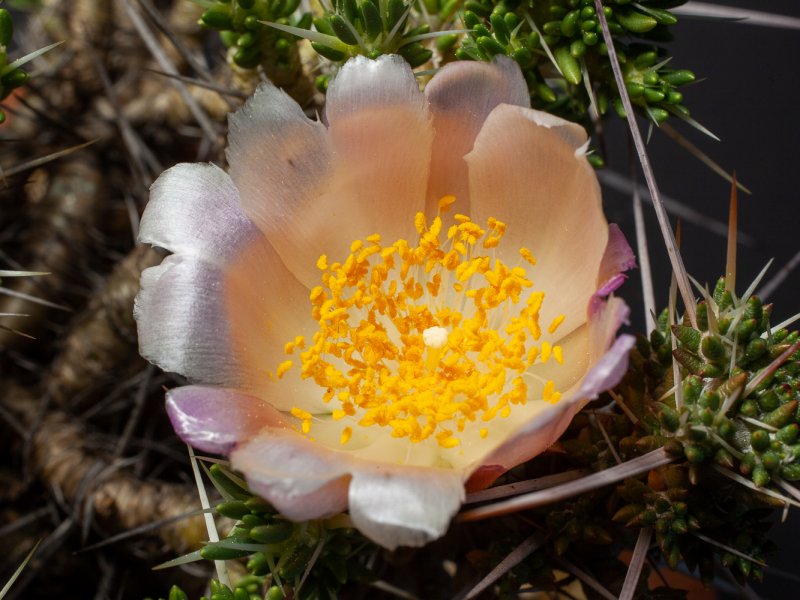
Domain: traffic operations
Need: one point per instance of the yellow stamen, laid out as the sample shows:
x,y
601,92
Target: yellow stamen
x,y
425,340
558,354
347,433
548,391
527,256
556,322
305,418
283,368
445,202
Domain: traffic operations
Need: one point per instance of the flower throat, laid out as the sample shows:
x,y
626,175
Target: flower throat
x,y
425,340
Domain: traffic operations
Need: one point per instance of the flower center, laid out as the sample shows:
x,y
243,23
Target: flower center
x,y
425,340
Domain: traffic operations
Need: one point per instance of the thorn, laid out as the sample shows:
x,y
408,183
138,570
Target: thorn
x,y
642,251
633,467
516,556
730,265
636,565
661,213
213,536
707,10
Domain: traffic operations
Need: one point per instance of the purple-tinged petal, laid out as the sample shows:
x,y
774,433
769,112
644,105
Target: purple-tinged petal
x,y
404,506
609,361
609,370
528,170
541,433
461,96
215,419
303,480
617,259
194,210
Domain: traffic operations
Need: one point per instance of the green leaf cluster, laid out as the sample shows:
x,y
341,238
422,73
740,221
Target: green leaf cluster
x,y
559,46
11,76
242,28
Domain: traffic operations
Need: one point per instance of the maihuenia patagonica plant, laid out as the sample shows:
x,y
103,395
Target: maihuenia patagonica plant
x,y
732,422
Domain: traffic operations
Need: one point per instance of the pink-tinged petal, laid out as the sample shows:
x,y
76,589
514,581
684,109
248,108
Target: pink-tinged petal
x,y
313,191
609,370
528,169
215,419
267,307
303,480
380,126
608,358
404,506
281,163
617,259
605,319
541,433
461,96
194,210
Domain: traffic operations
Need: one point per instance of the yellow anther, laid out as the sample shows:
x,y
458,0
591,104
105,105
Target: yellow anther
x,y
491,242
316,294
347,433
367,252
300,414
483,433
547,351
532,354
283,368
558,354
419,223
549,388
445,202
305,418
556,322
322,263
527,256
356,246
446,439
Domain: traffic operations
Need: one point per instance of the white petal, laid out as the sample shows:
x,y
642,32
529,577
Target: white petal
x,y
227,325
313,191
404,506
182,322
194,210
523,171
461,96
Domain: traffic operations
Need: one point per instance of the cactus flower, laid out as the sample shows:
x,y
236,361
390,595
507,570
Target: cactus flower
x,y
384,308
